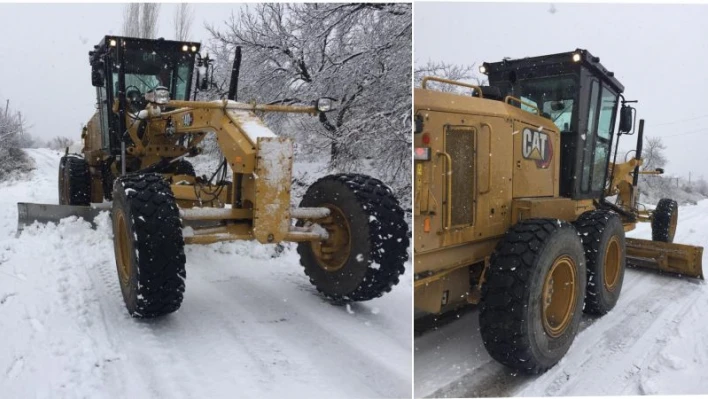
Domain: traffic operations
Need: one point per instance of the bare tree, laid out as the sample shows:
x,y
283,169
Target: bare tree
x,y
653,153
148,20
359,54
60,143
140,20
183,19
131,20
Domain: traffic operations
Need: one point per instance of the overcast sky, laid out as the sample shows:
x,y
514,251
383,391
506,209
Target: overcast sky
x,y
44,50
659,53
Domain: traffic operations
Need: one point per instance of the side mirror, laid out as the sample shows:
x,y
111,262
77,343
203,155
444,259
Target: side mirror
x,y
204,83
97,75
625,125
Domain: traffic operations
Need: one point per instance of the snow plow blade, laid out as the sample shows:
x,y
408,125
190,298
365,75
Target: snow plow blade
x,y
685,260
45,213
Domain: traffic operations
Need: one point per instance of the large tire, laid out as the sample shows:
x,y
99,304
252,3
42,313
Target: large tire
x,y
74,181
181,167
149,246
368,232
533,298
603,238
664,220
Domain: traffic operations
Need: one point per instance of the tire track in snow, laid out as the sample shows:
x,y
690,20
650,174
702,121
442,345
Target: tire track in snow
x,y
609,339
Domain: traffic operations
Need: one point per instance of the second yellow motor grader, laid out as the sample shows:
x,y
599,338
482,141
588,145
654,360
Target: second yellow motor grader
x,y
520,207
350,229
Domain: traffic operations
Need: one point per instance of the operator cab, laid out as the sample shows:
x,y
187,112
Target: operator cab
x,y
131,68
580,96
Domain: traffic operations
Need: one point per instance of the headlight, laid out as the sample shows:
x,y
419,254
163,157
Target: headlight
x,y
324,104
158,96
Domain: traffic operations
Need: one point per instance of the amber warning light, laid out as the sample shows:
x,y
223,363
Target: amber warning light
x,y
422,154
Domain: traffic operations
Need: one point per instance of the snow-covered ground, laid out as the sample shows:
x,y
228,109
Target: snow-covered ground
x,y
655,341
250,325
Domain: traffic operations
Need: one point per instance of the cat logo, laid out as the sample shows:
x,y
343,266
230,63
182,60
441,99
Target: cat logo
x,y
536,146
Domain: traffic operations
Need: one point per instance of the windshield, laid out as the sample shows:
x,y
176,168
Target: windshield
x,y
147,69
554,96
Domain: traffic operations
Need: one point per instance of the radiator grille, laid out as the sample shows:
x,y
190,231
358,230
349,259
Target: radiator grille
x,y
459,143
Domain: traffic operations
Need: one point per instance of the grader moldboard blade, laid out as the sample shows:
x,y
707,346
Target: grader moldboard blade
x,y
685,260
28,213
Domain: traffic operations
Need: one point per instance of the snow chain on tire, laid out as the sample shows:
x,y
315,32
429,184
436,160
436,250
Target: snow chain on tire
x,y
378,238
663,221
155,247
74,181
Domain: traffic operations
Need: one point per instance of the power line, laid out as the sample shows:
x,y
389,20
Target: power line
x,y
680,120
687,133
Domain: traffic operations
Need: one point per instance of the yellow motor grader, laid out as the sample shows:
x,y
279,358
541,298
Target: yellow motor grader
x,y
520,207
350,229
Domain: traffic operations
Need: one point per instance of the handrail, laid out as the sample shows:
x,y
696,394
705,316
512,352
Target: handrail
x,y
520,101
448,208
489,154
477,89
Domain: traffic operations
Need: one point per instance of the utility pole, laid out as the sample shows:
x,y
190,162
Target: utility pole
x,y
7,107
689,178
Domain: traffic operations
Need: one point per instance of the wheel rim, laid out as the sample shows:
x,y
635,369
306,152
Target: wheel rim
x,y
124,259
612,264
559,296
332,253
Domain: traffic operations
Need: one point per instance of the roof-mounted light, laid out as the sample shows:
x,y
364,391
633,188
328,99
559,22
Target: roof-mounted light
x,y
576,57
185,48
483,69
194,48
113,43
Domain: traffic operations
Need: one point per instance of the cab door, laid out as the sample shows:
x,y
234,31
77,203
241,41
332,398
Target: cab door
x,y
534,166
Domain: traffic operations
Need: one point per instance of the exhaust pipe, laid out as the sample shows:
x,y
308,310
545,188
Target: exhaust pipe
x,y
235,71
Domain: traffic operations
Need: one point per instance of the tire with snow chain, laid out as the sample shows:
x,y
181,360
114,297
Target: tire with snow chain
x,y
603,238
181,167
368,238
664,220
533,298
149,246
74,181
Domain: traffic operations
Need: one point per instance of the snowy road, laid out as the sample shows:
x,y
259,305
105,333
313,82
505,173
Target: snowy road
x,y
250,325
655,341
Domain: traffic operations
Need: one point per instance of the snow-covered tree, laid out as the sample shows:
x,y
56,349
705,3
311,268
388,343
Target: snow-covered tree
x,y
12,129
358,54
